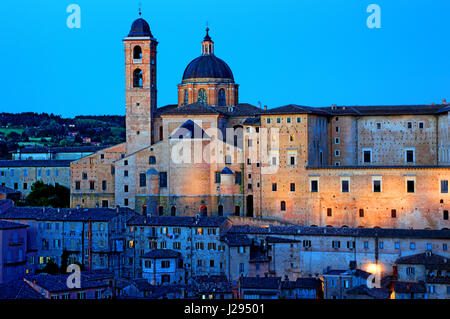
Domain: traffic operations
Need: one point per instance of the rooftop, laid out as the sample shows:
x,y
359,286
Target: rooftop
x,y
35,163
341,231
182,221
63,214
161,253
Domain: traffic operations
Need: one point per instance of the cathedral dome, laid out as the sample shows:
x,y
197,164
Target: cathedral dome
x,y
208,66
140,28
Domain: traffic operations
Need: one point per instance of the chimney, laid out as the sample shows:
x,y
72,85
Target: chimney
x,y
265,107
444,101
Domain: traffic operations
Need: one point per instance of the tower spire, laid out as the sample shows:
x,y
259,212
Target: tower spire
x,y
140,13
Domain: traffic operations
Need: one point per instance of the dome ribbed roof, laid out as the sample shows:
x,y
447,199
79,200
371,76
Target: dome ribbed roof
x,y
208,66
140,28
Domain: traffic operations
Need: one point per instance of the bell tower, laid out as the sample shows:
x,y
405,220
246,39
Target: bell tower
x,y
140,84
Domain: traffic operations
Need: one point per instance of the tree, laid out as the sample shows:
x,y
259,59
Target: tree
x,y
48,195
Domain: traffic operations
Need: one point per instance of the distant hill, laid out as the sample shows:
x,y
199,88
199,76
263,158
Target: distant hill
x,y
42,129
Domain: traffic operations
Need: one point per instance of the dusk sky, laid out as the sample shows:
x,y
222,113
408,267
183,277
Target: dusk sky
x,y
308,52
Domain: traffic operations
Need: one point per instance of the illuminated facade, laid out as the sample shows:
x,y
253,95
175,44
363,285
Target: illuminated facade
x,y
371,166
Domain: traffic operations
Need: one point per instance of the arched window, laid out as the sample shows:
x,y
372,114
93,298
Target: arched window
x,y
186,97
202,97
160,211
283,205
152,160
221,99
137,78
137,53
203,211
220,210
173,211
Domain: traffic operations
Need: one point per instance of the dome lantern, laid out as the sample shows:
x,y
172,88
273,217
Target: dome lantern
x,y
207,44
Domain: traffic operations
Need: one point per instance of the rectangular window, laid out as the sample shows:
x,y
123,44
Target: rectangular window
x,y
125,188
77,185
421,125
268,121
249,186
361,212
444,186
412,246
314,186
393,213
299,119
366,245
292,187
337,129
292,160
25,186
288,120
377,186
104,185
445,215
142,180
125,201
84,174
409,156
237,178
337,140
217,180
345,186
410,186
397,245
274,187
378,126
409,124
329,212
125,173
91,185
162,179
337,153
367,156
336,244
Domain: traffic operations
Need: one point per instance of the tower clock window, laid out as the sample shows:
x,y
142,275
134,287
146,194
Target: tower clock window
x,y
202,97
137,78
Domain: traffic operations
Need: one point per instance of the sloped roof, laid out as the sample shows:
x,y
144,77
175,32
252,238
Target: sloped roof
x,y
191,109
161,253
341,231
376,293
35,163
67,214
4,225
260,282
189,129
18,289
139,220
427,259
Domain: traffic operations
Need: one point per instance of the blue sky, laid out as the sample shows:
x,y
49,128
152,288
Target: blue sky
x,y
309,52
